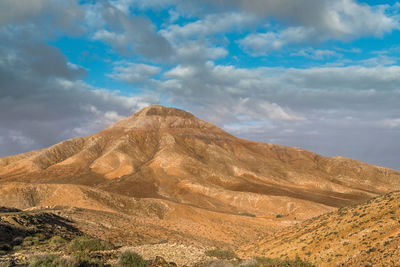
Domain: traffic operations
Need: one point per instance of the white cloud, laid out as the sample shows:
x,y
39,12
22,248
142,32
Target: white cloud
x,y
380,60
19,138
127,33
126,5
43,101
347,19
181,72
39,14
197,50
259,44
317,54
378,78
341,19
211,24
332,20
133,72
391,123
240,89
118,40
228,95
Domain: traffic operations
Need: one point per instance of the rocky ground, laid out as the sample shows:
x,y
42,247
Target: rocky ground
x,y
41,237
26,235
367,234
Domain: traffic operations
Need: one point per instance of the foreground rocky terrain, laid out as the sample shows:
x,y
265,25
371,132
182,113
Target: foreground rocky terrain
x,y
43,238
359,235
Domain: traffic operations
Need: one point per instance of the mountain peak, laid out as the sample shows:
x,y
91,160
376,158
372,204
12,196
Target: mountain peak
x,y
161,117
159,110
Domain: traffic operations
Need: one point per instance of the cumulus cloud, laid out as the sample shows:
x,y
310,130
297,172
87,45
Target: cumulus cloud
x,y
259,44
378,78
342,19
209,83
302,89
317,54
130,34
47,16
319,21
133,72
210,25
43,101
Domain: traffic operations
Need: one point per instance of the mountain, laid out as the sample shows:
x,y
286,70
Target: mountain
x,y
361,235
189,177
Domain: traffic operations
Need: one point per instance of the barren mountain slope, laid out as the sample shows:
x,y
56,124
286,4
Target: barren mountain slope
x,y
166,155
359,235
126,220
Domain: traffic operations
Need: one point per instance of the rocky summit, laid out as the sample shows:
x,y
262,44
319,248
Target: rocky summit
x,y
163,174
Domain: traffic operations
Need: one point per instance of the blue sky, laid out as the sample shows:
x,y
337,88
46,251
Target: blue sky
x,y
318,74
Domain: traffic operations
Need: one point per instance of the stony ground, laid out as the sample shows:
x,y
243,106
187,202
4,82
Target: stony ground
x,y
358,235
26,234
361,235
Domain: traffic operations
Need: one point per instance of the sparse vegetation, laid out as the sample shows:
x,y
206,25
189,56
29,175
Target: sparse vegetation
x,y
47,260
268,262
52,260
84,243
131,259
57,240
248,214
221,254
6,264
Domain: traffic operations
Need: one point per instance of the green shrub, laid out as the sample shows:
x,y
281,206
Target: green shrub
x,y
248,214
84,243
90,263
6,264
32,229
17,247
51,260
221,254
57,240
40,237
131,259
82,259
68,262
279,216
268,262
47,260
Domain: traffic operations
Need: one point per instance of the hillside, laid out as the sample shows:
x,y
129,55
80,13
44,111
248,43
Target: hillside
x,y
359,235
187,179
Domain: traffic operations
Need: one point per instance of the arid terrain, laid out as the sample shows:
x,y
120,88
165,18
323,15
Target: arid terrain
x,y
359,235
164,176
